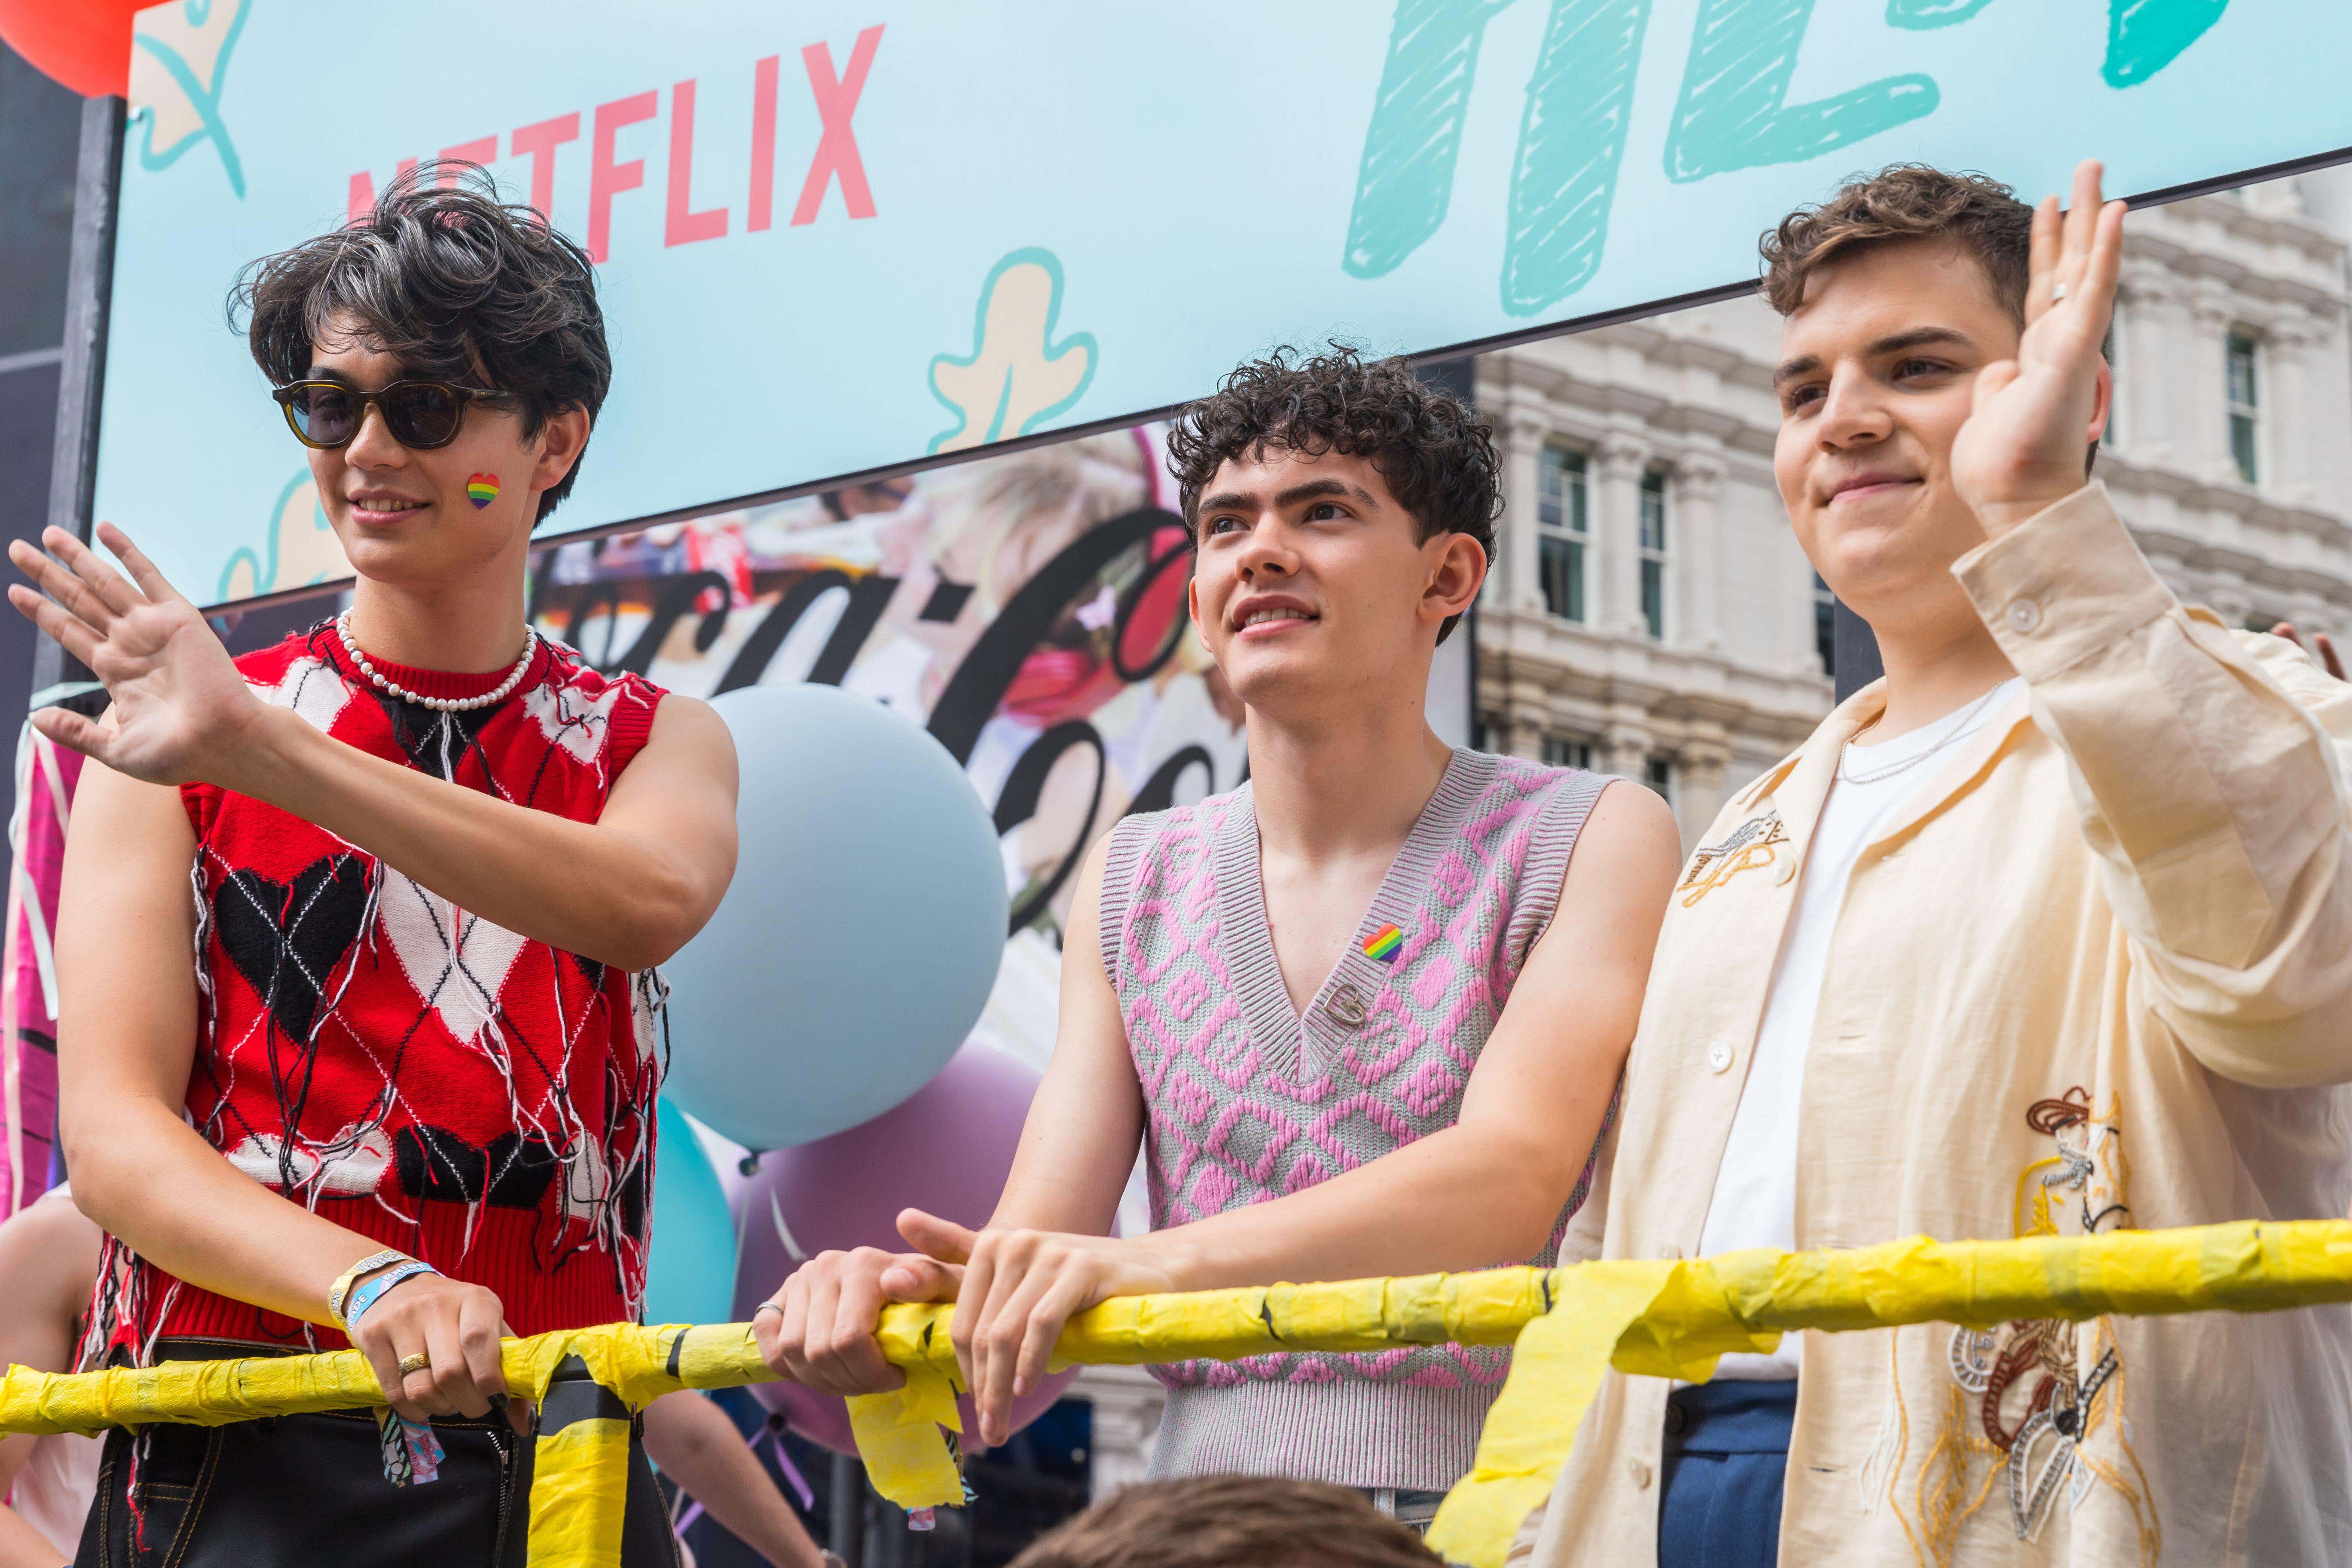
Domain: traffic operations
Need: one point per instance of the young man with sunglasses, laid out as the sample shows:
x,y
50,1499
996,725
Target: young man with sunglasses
x,y
2047,933
406,1092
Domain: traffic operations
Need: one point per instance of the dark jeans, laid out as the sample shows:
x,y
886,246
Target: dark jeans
x,y
1727,1457
298,1491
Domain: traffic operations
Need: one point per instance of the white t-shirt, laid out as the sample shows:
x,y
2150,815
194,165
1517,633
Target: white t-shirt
x,y
1755,1198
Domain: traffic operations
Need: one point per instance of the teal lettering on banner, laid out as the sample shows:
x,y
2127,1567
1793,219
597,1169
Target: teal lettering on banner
x,y
1733,113
1921,14
1407,174
1570,144
2146,36
1571,140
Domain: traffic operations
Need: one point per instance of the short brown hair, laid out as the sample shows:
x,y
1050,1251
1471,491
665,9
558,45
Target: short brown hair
x,y
1905,201
1231,1522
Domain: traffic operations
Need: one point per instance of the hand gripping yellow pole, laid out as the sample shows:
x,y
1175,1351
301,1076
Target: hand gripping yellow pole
x,y
1656,1317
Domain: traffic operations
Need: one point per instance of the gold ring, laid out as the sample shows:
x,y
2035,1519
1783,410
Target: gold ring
x,y
417,1363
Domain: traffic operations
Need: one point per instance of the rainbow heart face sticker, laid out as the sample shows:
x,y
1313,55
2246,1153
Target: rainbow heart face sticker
x,y
482,490
1383,944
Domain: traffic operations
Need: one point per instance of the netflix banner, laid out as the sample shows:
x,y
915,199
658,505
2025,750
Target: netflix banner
x,y
842,237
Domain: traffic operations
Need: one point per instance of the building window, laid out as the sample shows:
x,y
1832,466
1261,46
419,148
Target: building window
x,y
1658,772
1567,751
1563,531
2245,406
1653,553
1824,624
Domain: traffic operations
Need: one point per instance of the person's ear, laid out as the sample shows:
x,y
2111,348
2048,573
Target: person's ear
x,y
1457,569
559,442
2105,409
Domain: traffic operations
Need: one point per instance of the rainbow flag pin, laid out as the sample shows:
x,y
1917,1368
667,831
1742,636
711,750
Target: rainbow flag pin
x,y
1383,944
482,490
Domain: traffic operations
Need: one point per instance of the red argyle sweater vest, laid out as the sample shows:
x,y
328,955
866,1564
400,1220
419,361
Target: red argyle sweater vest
x,y
401,1066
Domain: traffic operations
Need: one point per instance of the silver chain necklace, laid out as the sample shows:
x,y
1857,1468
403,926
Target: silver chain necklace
x,y
1959,733
438,704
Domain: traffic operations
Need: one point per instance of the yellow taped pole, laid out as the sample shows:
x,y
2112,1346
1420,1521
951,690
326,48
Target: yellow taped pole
x,y
580,1472
1669,1319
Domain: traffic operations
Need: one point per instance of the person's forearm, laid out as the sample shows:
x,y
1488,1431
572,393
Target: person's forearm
x,y
2218,812
713,1466
1459,1199
151,1179
611,896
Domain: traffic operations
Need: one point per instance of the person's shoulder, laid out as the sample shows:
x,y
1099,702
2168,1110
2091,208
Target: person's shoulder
x,y
1200,815
570,668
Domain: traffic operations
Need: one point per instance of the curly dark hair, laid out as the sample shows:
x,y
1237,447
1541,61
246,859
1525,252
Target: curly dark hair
x,y
1437,456
453,283
1905,201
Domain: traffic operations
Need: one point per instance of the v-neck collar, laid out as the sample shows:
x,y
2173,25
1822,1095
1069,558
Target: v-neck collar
x,y
1247,938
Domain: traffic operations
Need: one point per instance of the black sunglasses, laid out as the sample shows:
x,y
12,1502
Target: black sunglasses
x,y
421,415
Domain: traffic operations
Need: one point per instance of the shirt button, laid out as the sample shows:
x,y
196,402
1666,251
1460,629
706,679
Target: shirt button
x,y
1719,1056
2024,614
1671,1253
1785,868
1347,1006
1640,1472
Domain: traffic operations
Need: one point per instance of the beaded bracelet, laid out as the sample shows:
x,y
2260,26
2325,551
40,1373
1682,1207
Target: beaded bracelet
x,y
343,1282
374,1289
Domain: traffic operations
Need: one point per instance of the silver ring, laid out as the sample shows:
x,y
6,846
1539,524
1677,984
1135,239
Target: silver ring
x,y
2057,292
767,1307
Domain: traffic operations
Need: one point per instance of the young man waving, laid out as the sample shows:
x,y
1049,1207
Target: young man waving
x,y
2048,933
1365,1014
403,1093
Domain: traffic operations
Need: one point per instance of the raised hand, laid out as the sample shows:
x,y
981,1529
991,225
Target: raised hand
x,y
1019,1288
180,708
2035,416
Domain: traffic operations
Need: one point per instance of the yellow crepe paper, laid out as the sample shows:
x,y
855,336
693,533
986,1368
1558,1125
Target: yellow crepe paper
x,y
1656,1318
579,1494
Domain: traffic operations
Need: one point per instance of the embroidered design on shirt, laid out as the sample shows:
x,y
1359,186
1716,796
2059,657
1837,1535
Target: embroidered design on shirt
x,y
1749,847
2028,1397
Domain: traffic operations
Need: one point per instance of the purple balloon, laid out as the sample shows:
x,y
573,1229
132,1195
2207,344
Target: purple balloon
x,y
946,1151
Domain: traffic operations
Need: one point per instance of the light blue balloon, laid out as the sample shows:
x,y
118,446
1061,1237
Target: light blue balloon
x,y
690,1276
857,945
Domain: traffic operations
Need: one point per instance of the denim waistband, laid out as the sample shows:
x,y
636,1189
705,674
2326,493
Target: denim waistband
x,y
1731,1418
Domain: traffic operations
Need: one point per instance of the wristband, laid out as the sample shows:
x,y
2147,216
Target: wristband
x,y
372,1291
336,1297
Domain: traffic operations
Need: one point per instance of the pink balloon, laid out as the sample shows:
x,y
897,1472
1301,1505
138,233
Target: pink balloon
x,y
947,1151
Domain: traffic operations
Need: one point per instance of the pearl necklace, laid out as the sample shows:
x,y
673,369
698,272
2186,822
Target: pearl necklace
x,y
438,704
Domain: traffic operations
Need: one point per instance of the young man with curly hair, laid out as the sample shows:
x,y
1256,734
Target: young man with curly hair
x,y
2047,933
1364,1015
403,1097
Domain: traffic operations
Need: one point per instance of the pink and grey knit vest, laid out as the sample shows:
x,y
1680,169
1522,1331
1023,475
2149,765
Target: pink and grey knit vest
x,y
1247,1100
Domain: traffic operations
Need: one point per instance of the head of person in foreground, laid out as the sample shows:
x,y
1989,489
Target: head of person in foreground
x,y
1343,516
442,359
1231,1522
1897,294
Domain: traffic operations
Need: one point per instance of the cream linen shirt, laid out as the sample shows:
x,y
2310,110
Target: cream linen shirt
x,y
2095,973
